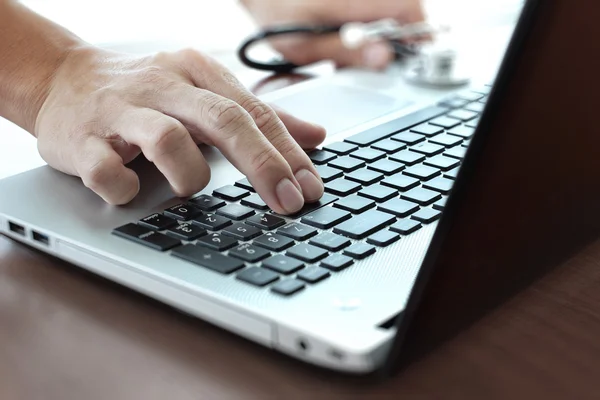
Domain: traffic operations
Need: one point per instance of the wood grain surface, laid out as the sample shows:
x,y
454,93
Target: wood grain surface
x,y
66,334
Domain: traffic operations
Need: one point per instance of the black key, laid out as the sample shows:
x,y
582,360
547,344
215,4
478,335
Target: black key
x,y
463,115
268,222
186,231
255,201
475,107
383,238
440,204
347,163
429,149
458,152
283,264
406,226
231,193
401,182
236,211
243,232
258,276
454,102
245,184
446,140
472,124
330,241
207,203
445,122
249,253
310,207
342,187
463,131
341,148
218,242
442,162
288,287
439,184
326,217
158,222
407,157
365,177
427,130
328,174
398,207
409,138
273,242
363,225
422,172
297,231
183,212
320,157
386,130
378,193
368,155
422,196
307,252
426,215
208,259
146,237
387,167
389,146
360,251
355,204
212,222
314,274
452,174
337,262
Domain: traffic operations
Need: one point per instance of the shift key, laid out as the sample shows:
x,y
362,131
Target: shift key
x,y
365,224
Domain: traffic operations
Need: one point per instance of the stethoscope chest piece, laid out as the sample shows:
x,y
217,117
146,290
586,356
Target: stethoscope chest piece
x,y
436,65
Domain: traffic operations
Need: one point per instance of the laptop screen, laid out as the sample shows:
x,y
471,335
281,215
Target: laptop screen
x,y
528,193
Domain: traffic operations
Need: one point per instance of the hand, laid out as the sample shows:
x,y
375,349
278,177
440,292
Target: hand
x,y
104,109
307,50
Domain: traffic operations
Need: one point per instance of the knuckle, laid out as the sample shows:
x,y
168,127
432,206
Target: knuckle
x,y
100,174
266,159
167,134
226,116
151,75
287,146
264,117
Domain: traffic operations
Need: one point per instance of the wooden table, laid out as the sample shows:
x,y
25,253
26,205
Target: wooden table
x,y
66,334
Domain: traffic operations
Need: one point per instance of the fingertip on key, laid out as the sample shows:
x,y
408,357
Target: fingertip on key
x,y
312,186
290,198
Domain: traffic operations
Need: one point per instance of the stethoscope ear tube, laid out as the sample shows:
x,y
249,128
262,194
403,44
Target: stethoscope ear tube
x,y
283,66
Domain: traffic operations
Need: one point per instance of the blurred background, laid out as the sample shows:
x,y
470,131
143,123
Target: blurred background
x,y
217,27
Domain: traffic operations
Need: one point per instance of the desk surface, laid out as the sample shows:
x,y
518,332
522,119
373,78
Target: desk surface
x,y
65,334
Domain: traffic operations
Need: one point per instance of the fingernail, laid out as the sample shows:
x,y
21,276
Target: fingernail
x,y
376,55
289,196
312,187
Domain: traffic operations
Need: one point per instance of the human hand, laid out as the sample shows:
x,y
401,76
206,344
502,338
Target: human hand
x,y
306,50
104,109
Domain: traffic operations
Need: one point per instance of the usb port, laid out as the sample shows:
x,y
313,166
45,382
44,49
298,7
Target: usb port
x,y
18,229
38,237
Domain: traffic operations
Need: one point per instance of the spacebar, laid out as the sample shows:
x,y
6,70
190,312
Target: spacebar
x,y
310,207
377,133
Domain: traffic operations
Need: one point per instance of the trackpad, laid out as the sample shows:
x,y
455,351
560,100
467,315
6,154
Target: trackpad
x,y
339,108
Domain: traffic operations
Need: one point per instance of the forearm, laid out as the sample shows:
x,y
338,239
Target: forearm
x,y
31,50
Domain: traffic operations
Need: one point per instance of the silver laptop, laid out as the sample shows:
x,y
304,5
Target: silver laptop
x,y
322,285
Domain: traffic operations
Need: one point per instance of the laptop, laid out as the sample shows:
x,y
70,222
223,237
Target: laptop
x,y
435,212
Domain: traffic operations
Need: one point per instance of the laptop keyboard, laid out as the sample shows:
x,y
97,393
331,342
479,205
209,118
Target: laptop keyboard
x,y
380,185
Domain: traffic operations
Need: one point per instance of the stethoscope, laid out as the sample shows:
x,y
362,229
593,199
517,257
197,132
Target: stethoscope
x,y
430,63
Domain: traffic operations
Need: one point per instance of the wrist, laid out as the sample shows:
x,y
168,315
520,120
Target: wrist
x,y
32,49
